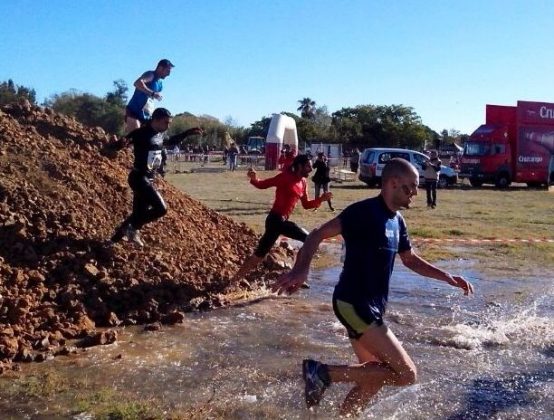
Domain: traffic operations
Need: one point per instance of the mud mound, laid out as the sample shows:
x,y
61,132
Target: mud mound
x,y
61,196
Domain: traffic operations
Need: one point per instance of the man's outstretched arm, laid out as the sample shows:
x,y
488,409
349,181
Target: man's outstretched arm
x,y
422,267
178,138
290,282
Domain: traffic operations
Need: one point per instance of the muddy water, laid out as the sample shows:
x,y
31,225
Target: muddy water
x,y
490,356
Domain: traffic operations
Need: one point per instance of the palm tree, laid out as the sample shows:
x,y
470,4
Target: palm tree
x,y
306,108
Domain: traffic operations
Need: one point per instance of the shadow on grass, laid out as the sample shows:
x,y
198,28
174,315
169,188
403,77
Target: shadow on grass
x,y
230,200
351,187
241,211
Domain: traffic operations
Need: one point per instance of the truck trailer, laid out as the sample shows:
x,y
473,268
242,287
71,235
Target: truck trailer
x,y
516,144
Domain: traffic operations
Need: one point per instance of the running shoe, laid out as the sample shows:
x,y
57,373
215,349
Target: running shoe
x,y
120,233
315,384
134,236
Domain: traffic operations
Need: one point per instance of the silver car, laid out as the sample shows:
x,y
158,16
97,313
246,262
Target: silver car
x,y
373,160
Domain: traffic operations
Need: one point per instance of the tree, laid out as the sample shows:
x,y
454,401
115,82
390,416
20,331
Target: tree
x,y
10,92
306,108
88,109
119,95
260,127
385,126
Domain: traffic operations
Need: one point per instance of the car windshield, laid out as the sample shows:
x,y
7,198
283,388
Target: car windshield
x,y
476,149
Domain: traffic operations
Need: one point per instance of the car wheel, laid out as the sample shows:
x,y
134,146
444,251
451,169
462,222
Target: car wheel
x,y
503,181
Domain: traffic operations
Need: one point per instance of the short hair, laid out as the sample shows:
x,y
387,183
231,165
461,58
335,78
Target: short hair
x,y
299,160
165,63
396,167
160,113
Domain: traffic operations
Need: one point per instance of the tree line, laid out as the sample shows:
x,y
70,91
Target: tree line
x,y
358,126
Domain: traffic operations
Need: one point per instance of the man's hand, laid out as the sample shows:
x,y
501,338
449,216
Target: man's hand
x,y
326,196
251,174
157,96
118,143
289,282
459,281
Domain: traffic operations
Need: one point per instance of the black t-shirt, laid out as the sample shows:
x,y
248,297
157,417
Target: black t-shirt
x,y
321,175
373,235
148,145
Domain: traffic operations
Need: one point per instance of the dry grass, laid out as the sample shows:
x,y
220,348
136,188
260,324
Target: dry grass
x,y
462,213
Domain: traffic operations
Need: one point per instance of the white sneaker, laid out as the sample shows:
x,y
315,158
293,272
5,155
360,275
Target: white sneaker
x,y
134,236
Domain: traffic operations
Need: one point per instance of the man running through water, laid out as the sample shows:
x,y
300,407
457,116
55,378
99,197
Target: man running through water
x,y
290,187
374,232
148,142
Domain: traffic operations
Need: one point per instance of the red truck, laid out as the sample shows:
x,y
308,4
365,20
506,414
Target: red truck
x,y
516,144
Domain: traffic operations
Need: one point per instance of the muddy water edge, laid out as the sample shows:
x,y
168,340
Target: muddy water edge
x,y
490,356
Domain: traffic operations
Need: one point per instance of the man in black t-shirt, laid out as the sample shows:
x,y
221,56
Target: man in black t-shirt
x,y
374,232
321,176
148,144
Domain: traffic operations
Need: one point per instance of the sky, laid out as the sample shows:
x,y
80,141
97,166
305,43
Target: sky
x,y
241,60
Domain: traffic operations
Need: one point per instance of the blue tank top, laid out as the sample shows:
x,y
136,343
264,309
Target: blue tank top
x,y
137,103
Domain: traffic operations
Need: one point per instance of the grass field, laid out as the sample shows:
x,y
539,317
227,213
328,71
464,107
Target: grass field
x,y
462,213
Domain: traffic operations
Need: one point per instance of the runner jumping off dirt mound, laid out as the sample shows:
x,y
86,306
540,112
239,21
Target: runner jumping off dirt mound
x,y
148,142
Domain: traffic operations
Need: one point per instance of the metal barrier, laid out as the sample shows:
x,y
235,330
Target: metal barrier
x,y
210,162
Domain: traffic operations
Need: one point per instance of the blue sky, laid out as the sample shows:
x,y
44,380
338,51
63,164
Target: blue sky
x,y
248,59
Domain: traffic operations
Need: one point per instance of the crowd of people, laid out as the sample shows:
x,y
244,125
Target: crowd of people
x,y
373,230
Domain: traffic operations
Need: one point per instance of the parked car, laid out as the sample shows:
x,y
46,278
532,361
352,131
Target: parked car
x,y
373,160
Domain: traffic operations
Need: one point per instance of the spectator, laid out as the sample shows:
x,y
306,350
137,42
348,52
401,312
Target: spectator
x,y
321,177
355,160
233,153
431,171
286,158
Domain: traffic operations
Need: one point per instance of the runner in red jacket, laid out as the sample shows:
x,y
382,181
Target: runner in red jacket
x,y
290,187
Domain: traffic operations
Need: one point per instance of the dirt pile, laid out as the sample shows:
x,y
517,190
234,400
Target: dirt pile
x,y
61,196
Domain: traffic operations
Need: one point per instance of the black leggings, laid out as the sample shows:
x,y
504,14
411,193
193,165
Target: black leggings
x,y
276,225
148,204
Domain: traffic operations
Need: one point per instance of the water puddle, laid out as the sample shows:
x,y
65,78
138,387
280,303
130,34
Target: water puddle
x,y
490,356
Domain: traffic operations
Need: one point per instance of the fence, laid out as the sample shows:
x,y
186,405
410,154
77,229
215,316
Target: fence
x,y
210,162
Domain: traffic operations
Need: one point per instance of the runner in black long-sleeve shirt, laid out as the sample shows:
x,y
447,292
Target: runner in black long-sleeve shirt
x,y
148,142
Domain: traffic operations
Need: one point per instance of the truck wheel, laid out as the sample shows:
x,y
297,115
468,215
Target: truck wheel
x,y
475,182
503,181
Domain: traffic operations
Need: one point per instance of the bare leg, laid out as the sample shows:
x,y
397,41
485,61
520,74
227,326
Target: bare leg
x,y
131,124
249,264
385,363
359,397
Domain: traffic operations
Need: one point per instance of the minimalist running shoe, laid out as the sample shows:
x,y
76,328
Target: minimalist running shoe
x,y
316,385
134,236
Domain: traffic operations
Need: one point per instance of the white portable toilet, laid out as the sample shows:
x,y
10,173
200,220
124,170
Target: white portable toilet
x,y
282,130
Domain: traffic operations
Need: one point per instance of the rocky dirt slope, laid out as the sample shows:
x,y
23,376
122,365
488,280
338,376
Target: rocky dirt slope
x,y
61,196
